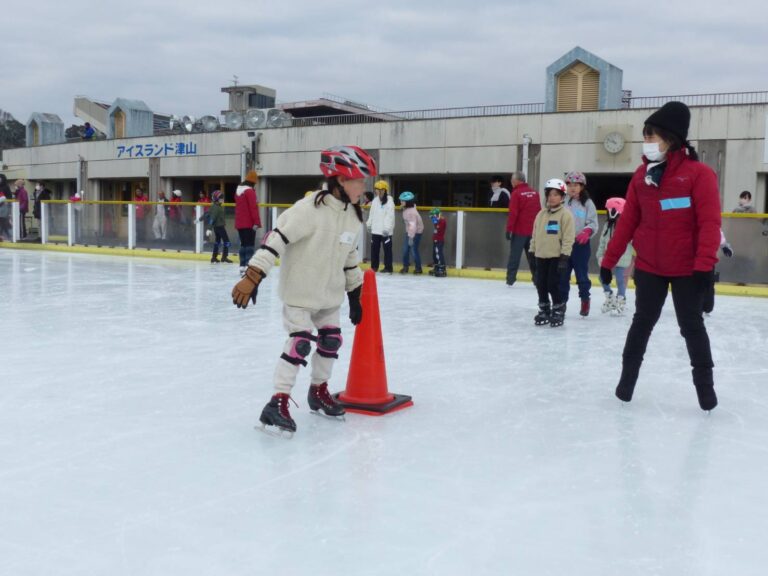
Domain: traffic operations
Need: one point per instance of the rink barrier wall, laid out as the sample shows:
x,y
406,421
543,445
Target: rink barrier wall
x,y
69,227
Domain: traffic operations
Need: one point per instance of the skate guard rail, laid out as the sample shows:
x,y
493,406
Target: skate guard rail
x,y
475,237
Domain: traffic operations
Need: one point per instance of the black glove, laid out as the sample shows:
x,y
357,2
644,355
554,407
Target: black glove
x,y
606,275
704,280
247,288
727,250
508,235
355,308
562,263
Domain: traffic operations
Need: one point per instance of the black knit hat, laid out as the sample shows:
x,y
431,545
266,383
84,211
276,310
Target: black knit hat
x,y
674,117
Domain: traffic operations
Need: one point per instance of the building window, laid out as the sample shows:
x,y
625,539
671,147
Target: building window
x,y
578,88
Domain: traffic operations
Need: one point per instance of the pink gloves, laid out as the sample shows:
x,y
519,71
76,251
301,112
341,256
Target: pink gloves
x,y
583,236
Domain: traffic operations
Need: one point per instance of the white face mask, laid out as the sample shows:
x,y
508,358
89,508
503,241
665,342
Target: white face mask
x,y
652,152
38,187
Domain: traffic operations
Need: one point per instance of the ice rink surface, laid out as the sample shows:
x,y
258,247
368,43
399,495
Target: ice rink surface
x,y
130,390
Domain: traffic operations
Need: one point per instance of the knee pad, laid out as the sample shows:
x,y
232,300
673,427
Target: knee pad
x,y
301,346
329,341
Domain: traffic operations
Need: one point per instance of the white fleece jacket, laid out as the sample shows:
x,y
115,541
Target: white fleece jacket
x,y
381,219
317,247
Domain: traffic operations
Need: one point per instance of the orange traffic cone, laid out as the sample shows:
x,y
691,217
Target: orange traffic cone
x,y
366,391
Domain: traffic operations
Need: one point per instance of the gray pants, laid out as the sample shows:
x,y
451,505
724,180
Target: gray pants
x,y
516,246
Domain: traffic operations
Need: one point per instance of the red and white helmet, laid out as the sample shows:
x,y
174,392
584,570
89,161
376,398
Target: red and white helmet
x,y
555,183
615,206
349,161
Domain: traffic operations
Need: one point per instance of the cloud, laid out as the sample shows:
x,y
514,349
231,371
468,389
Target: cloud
x,y
399,55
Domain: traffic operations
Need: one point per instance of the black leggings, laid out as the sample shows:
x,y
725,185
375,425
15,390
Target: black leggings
x,y
687,297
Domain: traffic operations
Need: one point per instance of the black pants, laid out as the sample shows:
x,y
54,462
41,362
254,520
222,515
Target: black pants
x,y
378,241
23,224
687,297
548,280
247,244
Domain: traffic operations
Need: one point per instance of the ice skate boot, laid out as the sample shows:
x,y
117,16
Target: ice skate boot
x,y
558,316
543,316
618,309
584,311
705,388
276,414
319,399
404,270
418,270
610,303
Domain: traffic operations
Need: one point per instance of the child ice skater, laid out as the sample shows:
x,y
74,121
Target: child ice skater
x,y
215,216
316,241
615,304
438,242
551,243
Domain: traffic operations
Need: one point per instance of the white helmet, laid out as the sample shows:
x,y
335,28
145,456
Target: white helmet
x,y
177,193
555,183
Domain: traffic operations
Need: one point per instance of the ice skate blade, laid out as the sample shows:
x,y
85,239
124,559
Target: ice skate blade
x,y
275,431
340,418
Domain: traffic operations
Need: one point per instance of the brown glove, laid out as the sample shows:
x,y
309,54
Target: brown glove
x,y
247,288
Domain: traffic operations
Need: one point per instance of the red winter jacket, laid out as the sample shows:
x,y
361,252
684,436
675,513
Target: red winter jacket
x,y
523,208
246,208
675,228
439,234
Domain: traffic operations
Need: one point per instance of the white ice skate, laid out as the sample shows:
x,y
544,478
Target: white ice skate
x,y
610,303
619,305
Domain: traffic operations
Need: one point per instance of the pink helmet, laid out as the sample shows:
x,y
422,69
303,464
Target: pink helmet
x,y
575,177
615,206
349,161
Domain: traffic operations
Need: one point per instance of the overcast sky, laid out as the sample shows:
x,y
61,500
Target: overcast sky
x,y
400,55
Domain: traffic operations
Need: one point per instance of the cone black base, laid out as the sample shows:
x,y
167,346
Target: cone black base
x,y
398,402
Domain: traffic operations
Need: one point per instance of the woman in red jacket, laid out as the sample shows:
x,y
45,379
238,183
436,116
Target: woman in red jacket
x,y
672,218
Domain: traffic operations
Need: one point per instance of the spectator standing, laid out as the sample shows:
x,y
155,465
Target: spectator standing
x,y
745,203
174,215
42,194
88,131
672,217
524,206
499,195
247,218
141,213
160,222
381,225
23,198
414,228
585,225
5,209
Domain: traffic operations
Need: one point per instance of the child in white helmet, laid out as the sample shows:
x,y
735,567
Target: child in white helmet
x,y
614,304
551,243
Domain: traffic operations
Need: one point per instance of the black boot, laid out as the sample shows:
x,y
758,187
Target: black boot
x,y
276,413
558,316
215,255
418,270
404,270
630,370
318,398
225,255
705,388
543,316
